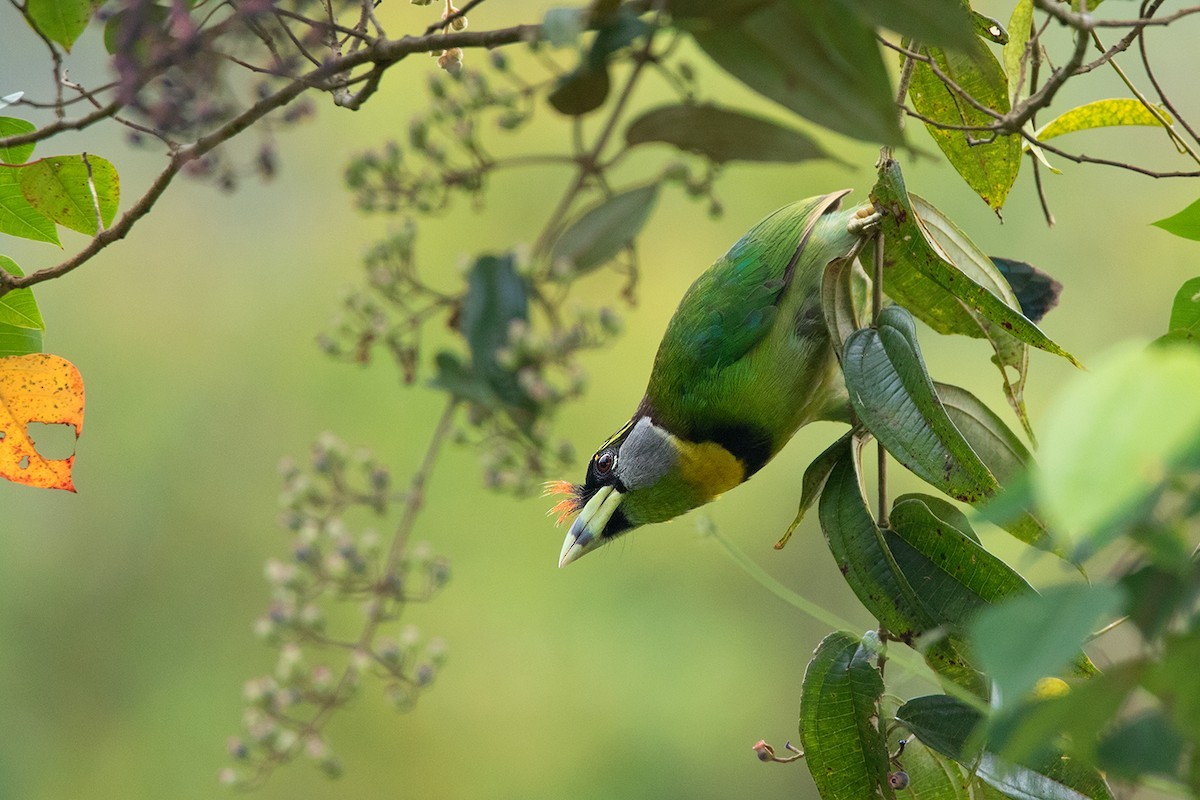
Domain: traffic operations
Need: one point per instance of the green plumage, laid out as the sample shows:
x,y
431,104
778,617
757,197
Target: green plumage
x,y
747,349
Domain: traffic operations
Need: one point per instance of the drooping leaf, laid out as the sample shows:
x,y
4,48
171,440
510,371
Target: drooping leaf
x,y
602,231
17,216
1016,64
1029,637
1185,224
936,22
18,307
18,154
838,302
839,703
988,166
812,56
1102,114
61,20
914,264
952,574
37,388
722,134
496,298
991,440
1036,292
1113,436
893,395
74,191
813,482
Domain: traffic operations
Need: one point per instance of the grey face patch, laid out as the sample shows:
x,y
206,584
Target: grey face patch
x,y
646,455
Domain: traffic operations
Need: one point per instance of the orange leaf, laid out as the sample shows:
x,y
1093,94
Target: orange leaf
x,y
37,388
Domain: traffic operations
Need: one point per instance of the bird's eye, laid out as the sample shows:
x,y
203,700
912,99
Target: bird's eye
x,y
605,463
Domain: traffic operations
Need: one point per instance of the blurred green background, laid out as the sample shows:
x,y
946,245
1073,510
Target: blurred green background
x,y
647,670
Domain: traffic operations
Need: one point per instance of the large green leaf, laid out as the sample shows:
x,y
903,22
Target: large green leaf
x,y
919,275
946,724
17,216
601,232
893,395
1147,743
862,554
1113,436
839,703
18,307
1030,636
61,20
813,56
989,167
11,126
722,134
1173,681
1102,114
74,191
1185,312
1186,223
997,446
937,22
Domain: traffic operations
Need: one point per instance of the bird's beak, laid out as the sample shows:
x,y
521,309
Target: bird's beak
x,y
586,530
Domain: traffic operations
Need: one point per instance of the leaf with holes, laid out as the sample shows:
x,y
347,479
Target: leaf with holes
x,y
839,703
37,388
74,191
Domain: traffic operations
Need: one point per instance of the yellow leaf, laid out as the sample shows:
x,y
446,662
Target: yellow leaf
x,y
1103,114
37,388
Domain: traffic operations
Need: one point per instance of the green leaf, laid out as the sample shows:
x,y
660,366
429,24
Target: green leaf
x,y
601,232
17,216
989,167
496,298
1019,27
1061,780
16,341
581,91
932,776
839,703
722,135
1030,637
1173,681
893,395
1185,311
988,27
994,442
61,20
19,154
1158,592
455,377
561,27
813,482
838,302
937,22
61,187
19,308
1113,436
811,56
1146,744
953,575
1102,114
1186,223
862,555
946,724
918,276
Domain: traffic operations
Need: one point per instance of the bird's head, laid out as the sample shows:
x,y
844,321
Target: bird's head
x,y
642,474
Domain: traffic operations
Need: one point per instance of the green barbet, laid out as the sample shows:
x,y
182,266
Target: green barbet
x,y
745,362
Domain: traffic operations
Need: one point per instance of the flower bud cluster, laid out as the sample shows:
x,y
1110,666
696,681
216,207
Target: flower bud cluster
x,y
333,612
